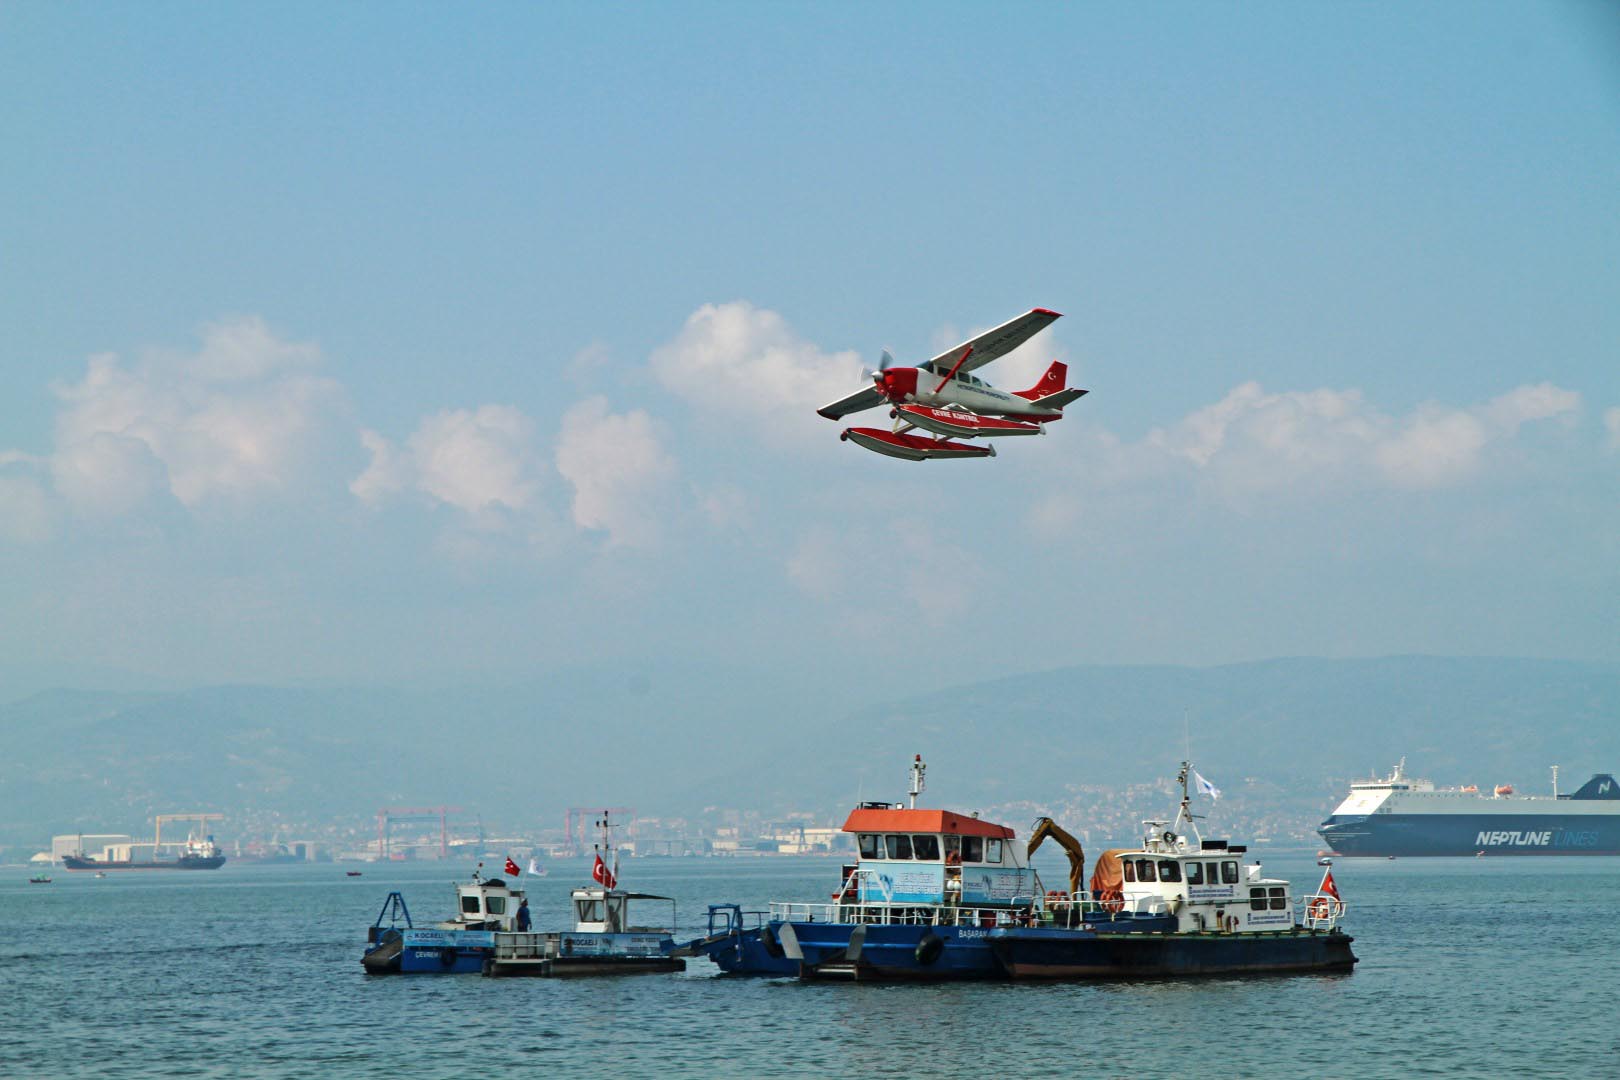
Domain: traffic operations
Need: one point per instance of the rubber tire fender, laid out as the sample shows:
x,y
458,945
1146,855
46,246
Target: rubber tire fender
x,y
448,958
930,949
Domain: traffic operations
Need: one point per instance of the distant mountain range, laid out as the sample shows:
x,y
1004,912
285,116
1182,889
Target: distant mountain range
x,y
677,740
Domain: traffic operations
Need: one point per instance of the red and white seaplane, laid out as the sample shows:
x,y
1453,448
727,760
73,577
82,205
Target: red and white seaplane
x,y
944,398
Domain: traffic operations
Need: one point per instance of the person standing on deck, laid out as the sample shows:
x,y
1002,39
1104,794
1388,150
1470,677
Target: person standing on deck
x,y
523,917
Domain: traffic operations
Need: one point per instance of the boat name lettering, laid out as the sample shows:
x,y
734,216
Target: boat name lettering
x,y
1514,839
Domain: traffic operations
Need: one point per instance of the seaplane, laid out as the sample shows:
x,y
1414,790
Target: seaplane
x,y
944,398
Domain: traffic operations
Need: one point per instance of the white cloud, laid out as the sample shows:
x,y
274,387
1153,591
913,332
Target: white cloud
x,y
235,419
1611,424
616,465
1256,440
477,461
741,361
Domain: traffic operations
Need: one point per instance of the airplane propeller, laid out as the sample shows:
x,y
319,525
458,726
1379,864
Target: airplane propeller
x,y
885,362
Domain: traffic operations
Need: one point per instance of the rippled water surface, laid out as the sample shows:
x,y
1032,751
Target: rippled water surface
x,y
1469,968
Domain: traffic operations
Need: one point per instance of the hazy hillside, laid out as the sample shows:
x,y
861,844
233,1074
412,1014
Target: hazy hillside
x,y
675,741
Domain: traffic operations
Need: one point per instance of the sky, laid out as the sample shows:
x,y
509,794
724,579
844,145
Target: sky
x,y
426,344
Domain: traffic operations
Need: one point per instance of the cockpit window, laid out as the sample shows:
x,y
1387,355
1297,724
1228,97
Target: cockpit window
x,y
973,849
1169,870
469,905
1229,873
496,905
925,847
1195,873
1144,870
871,846
992,852
899,846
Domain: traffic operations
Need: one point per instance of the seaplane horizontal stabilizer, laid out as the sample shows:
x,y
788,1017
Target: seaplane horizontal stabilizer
x,y
913,447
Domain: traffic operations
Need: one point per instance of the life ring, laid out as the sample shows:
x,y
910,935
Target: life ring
x,y
1056,896
953,858
448,958
1325,907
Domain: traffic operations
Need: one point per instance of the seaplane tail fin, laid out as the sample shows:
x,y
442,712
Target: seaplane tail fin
x,y
1053,382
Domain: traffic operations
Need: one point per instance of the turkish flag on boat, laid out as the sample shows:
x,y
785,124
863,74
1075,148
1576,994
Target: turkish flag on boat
x,y
512,868
601,873
1327,887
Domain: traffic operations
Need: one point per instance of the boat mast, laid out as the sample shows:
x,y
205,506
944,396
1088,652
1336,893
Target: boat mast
x,y
1555,781
917,780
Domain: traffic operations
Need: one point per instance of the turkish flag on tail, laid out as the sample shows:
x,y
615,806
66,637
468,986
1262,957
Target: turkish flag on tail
x,y
512,867
601,873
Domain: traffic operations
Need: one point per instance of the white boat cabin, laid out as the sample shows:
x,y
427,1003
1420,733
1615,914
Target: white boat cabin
x,y
1208,887
485,904
915,857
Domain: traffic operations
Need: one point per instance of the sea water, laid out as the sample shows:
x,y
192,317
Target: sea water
x,y
1469,967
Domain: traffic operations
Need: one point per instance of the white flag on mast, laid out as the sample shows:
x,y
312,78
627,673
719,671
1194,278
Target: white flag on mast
x,y
1205,787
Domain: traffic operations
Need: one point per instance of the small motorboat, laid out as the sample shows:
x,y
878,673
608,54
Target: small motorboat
x,y
351,873
40,880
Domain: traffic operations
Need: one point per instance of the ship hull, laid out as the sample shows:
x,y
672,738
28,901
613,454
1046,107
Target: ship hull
x,y
1405,835
1073,954
187,862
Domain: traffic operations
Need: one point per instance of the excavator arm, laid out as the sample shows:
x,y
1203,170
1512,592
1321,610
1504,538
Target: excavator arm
x,y
1045,827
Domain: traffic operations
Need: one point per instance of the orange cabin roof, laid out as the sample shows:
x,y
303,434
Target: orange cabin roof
x,y
923,821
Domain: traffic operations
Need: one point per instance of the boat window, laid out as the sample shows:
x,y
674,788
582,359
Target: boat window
x,y
1257,899
871,846
992,852
1279,898
1212,873
1229,874
1129,868
972,849
925,847
899,846
1195,873
1169,870
1144,870
469,905
953,849
495,905
590,911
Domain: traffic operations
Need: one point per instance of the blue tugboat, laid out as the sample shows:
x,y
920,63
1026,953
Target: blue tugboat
x,y
940,895
920,903
488,934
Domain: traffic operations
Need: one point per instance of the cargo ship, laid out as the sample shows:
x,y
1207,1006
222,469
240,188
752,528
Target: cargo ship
x,y
1401,816
196,853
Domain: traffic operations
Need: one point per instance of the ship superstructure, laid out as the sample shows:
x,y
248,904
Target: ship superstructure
x,y
1403,816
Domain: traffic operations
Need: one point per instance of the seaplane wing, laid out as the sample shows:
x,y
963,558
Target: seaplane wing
x,y
994,343
868,398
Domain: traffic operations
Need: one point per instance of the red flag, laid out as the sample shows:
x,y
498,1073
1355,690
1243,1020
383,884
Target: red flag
x,y
512,867
1327,887
601,873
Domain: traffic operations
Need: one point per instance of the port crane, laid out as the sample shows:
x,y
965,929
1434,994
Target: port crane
x,y
202,821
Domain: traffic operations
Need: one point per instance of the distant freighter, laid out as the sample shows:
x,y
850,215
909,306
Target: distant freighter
x,y
194,854
1401,816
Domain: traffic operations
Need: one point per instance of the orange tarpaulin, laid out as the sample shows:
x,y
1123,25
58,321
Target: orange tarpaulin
x,y
1108,880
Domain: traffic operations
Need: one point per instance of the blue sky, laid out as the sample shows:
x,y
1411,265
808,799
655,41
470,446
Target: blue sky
x,y
374,343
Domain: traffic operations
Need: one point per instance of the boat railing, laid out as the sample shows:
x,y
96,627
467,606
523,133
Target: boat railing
x,y
1320,911
897,914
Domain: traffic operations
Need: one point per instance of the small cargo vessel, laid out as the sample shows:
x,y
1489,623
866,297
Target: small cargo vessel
x,y
939,895
197,852
491,933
